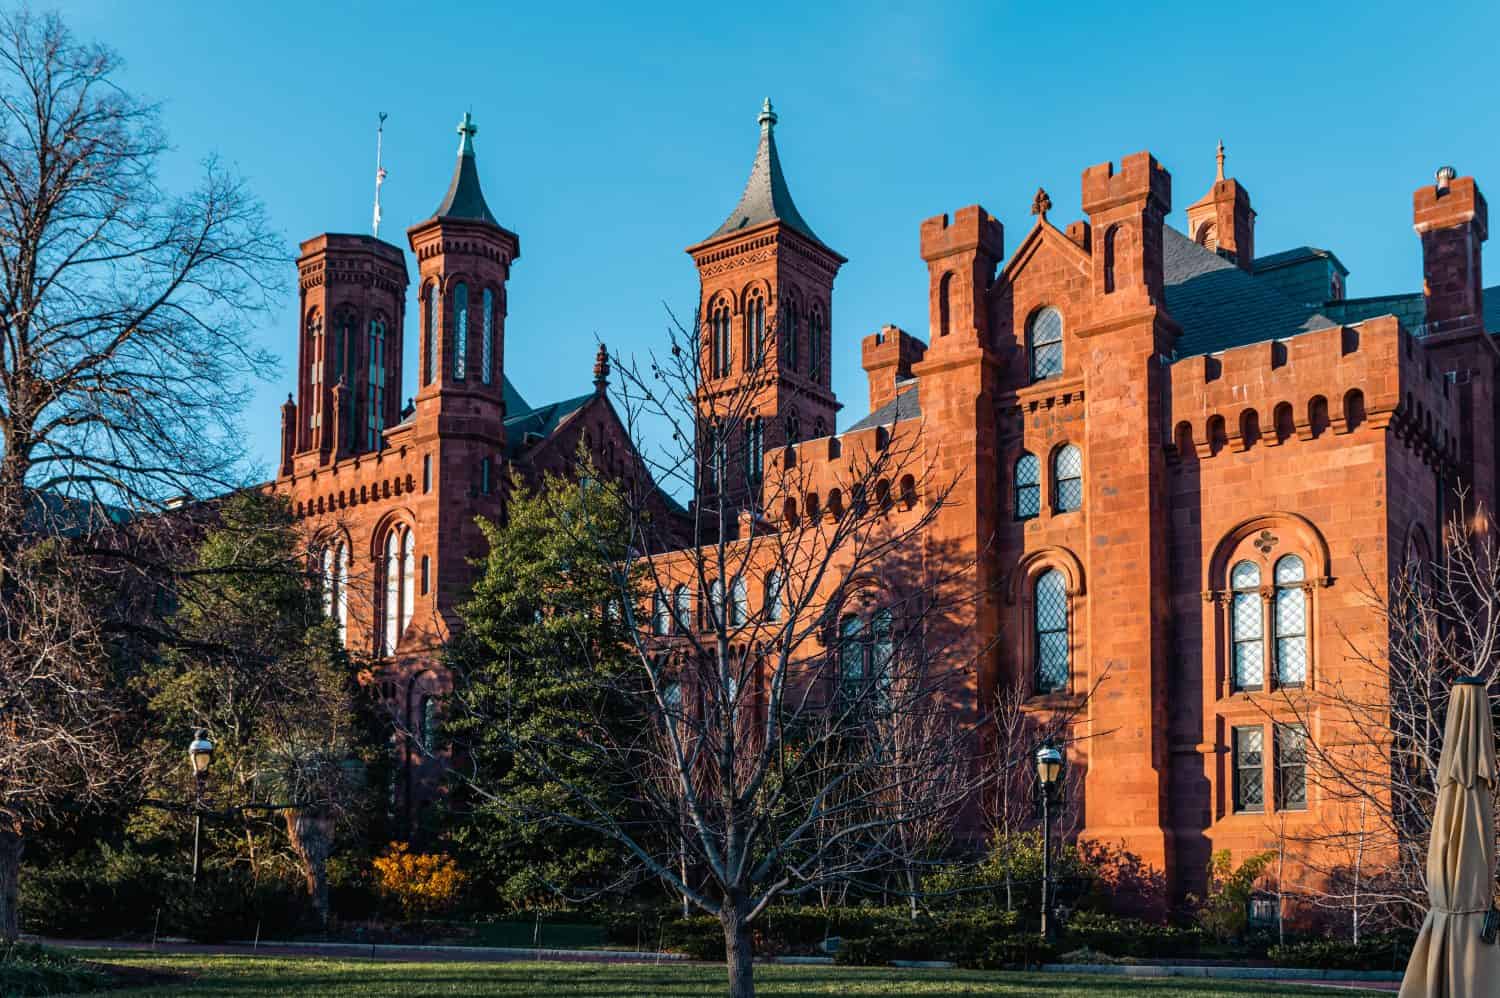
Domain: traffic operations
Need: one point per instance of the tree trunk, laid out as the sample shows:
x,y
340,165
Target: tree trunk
x,y
911,890
739,947
311,835
10,885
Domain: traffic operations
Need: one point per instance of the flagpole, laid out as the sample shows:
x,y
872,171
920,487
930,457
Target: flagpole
x,y
379,170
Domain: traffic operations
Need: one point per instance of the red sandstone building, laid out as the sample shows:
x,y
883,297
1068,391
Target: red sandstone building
x,y
1178,461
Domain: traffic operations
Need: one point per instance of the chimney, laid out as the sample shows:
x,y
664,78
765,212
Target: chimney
x,y
1452,219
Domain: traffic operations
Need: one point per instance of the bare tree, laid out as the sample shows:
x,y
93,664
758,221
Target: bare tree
x,y
123,359
801,643
1374,729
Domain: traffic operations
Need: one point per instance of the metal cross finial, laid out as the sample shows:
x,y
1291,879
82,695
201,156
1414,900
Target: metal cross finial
x,y
466,132
767,116
1041,204
1220,175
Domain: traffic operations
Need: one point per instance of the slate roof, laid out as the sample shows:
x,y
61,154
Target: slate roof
x,y
1297,254
1410,308
543,421
464,199
1219,306
898,410
766,196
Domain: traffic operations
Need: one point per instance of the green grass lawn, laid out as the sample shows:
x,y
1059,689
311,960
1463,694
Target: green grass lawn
x,y
237,977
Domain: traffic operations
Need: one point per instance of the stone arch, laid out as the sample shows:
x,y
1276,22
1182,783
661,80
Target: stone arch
x,y
1034,563
1301,535
1354,409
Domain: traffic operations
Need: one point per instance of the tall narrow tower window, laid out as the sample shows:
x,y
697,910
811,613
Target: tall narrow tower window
x,y
719,335
815,345
315,374
755,330
408,577
755,450
460,331
430,335
1051,608
945,308
789,335
487,344
376,419
392,603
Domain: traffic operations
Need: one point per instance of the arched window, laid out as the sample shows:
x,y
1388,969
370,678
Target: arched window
x,y
399,570
1291,622
739,603
718,329
1051,609
427,724
793,427
487,342
334,582
773,596
755,330
945,308
1044,344
791,330
851,656
1028,486
715,447
661,619
755,450
375,422
315,360
820,428
430,334
1208,236
460,331
1246,628
671,702
882,648
1110,238
1067,479
815,332
716,616
682,608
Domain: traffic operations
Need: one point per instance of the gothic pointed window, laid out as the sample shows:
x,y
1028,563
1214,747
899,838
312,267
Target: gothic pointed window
x,y
1050,607
1044,344
790,332
460,331
682,609
716,618
755,330
661,614
714,447
1246,628
851,656
408,578
341,589
882,649
773,605
755,450
815,332
718,340
429,335
315,360
398,587
1028,486
739,603
793,427
1291,622
487,343
375,422
1067,479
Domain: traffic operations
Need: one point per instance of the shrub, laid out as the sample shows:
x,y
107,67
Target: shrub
x,y
699,936
1019,952
420,884
1131,936
1226,911
1385,952
27,969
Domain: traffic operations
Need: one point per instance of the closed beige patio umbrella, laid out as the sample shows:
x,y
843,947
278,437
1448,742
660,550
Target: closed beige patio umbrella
x,y
1450,960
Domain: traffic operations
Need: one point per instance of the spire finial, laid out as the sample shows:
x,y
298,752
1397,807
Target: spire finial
x,y
601,369
767,116
1041,204
466,132
1220,175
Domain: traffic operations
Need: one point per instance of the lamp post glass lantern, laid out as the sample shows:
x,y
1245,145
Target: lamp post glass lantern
x,y
1050,764
200,754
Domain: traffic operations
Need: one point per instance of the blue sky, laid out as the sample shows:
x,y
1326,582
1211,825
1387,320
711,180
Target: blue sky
x,y
612,136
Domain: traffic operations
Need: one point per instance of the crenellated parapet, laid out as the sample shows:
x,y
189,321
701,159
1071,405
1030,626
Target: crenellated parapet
x,y
823,477
1340,380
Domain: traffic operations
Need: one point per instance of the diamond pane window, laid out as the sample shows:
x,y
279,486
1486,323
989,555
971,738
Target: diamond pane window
x,y
660,613
1051,632
1028,486
1291,622
1291,767
1245,625
1249,769
1045,336
851,655
1067,473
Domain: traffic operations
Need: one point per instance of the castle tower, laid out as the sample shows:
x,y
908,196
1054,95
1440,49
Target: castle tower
x,y
1223,221
766,316
352,292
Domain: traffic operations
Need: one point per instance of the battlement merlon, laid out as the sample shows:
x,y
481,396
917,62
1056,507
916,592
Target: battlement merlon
x,y
887,357
971,228
1141,180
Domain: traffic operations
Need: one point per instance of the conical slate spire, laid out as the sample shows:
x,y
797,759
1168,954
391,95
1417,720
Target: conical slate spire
x,y
766,196
464,198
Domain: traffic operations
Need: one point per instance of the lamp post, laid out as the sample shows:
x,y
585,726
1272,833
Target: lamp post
x,y
200,754
1050,763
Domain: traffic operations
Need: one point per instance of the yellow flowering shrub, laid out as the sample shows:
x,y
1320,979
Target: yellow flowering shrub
x,y
422,884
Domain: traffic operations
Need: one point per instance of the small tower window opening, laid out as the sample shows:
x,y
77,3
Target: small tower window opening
x,y
1067,479
429,336
1028,486
945,307
1246,627
755,331
713,445
719,334
1044,344
815,330
790,331
460,331
484,476
428,726
755,450
426,575
1291,622
487,340
376,419
426,473
793,427
1110,239
315,374
1208,237
1051,609
820,428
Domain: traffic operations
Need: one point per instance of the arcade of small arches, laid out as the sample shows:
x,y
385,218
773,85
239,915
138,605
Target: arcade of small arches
x,y
345,348
459,305
799,325
400,578
834,508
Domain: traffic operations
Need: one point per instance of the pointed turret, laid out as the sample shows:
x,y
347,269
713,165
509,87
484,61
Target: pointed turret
x,y
464,198
1222,220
